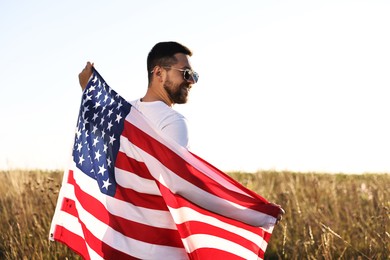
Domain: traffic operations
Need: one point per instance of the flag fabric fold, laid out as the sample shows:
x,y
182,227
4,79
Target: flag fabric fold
x,y
132,193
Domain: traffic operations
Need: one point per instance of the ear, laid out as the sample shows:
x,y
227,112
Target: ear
x,y
159,73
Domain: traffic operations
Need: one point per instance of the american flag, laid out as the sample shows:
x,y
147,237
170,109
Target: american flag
x,y
131,193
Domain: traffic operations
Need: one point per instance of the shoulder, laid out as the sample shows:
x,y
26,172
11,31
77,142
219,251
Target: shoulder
x,y
166,119
158,111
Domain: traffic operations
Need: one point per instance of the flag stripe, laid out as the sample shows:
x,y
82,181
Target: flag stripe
x,y
132,181
213,253
141,199
132,165
72,240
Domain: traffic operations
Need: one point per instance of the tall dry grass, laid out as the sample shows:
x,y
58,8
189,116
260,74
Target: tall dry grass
x,y
27,202
327,216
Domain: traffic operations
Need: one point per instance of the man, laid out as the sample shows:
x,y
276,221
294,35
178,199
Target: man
x,y
170,79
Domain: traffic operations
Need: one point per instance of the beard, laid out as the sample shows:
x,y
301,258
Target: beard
x,y
178,93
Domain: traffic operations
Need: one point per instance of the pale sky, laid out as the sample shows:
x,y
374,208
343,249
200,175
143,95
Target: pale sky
x,y
284,85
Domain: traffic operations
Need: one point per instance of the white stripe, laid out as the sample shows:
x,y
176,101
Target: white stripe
x,y
92,254
125,244
57,213
179,186
129,149
132,181
194,242
151,217
71,223
184,214
138,120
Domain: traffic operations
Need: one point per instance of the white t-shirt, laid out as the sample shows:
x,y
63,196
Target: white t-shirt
x,y
170,122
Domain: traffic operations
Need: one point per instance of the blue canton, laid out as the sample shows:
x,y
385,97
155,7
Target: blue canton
x,y
100,124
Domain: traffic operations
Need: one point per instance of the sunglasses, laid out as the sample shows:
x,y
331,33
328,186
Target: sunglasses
x,y
188,74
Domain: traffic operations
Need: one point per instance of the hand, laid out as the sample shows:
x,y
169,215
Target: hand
x,y
281,213
85,74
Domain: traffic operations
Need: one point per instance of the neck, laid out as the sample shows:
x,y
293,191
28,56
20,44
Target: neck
x,y
157,94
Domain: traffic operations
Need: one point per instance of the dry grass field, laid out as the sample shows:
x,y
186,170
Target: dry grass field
x,y
328,216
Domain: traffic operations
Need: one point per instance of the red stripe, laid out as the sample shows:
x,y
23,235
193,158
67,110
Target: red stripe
x,y
75,242
69,206
140,199
149,234
186,171
131,165
212,253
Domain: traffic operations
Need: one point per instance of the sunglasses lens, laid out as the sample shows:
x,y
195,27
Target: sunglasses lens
x,y
195,76
191,75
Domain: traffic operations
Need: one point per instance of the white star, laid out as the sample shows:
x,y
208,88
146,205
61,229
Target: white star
x,y
103,108
102,169
88,97
94,129
78,133
110,112
106,184
119,105
118,118
79,146
81,160
95,141
98,94
109,162
105,98
97,155
101,122
112,101
109,126
94,79
85,111
103,134
105,147
97,104
95,115
91,88
112,139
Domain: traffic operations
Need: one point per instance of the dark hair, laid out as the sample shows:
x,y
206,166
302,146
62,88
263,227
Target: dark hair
x,y
162,54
